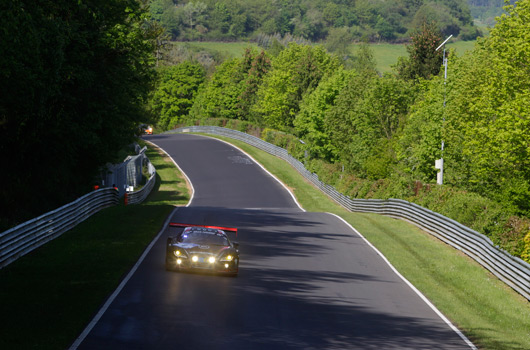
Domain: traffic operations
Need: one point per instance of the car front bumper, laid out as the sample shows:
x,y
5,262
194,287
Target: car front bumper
x,y
221,267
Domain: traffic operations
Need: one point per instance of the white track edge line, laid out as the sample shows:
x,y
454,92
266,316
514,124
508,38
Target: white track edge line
x,y
113,296
416,290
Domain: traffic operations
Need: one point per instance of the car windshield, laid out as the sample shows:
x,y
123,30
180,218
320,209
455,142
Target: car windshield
x,y
199,237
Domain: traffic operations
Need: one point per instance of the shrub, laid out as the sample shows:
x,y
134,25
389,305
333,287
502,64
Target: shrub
x,y
526,251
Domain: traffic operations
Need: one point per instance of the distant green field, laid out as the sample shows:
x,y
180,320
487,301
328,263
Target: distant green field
x,y
386,55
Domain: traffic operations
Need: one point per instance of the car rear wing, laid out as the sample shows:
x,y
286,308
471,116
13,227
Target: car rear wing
x,y
231,229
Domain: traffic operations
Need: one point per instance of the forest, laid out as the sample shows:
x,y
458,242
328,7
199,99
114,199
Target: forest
x,y
378,136
75,79
313,20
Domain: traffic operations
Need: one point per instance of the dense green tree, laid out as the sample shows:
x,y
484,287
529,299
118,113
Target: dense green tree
x,y
423,61
420,143
387,104
193,12
350,135
384,28
339,41
74,77
218,99
231,90
362,124
489,118
220,18
332,14
310,121
312,20
259,66
487,124
295,72
175,92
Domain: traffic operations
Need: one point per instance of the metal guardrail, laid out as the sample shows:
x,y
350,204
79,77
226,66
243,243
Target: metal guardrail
x,y
139,196
31,234
28,236
127,173
511,270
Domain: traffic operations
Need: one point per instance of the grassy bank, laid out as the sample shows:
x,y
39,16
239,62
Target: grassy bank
x,y
386,55
51,294
491,314
229,49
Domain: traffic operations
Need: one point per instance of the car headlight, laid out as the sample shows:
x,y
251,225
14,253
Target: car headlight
x,y
180,254
195,258
211,260
227,258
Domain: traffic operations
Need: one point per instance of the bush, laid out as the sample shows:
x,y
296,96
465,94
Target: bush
x,y
526,251
281,139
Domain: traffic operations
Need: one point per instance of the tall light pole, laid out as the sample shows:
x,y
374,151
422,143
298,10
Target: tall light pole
x,y
439,164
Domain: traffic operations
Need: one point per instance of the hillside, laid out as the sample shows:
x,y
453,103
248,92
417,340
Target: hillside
x,y
315,20
486,10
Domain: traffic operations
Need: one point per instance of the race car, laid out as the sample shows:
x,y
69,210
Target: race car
x,y
202,248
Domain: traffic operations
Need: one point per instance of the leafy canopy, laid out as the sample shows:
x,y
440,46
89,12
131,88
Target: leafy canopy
x,y
75,75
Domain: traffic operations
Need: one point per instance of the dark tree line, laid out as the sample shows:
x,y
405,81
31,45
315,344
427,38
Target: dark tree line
x,y
312,20
74,78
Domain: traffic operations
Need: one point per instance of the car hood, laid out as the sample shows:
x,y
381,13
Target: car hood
x,y
201,248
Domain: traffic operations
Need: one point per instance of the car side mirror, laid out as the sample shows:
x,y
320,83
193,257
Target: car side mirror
x,y
236,245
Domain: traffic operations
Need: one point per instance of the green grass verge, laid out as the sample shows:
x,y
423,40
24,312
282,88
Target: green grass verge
x,y
385,55
50,295
229,49
491,314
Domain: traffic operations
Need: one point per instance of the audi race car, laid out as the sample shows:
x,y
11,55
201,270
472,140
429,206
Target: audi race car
x,y
202,248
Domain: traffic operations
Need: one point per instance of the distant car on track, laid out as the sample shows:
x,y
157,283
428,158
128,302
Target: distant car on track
x,y
145,129
202,248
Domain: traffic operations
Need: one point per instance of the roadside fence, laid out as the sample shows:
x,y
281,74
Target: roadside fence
x,y
509,269
28,236
127,173
137,197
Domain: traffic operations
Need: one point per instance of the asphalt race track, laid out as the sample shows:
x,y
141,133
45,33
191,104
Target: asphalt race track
x,y
306,280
